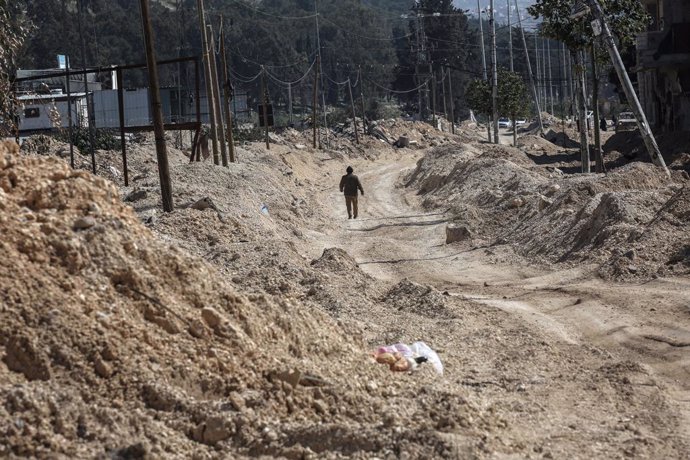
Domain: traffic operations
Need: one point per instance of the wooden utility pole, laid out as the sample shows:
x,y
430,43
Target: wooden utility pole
x,y
354,116
314,120
226,90
529,71
582,112
494,72
598,158
264,96
216,96
642,124
210,100
158,128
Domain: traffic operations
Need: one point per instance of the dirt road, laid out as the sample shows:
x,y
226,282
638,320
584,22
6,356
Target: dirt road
x,y
645,323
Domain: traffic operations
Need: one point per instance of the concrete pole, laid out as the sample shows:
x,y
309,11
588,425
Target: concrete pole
x,y
599,160
510,39
264,95
548,55
158,127
352,105
494,73
529,71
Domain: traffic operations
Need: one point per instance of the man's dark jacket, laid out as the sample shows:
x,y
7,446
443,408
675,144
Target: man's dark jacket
x,y
350,183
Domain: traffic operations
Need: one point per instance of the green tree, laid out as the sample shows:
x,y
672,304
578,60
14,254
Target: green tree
x,y
478,97
512,97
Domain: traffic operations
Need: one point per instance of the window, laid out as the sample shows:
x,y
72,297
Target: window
x,y
32,112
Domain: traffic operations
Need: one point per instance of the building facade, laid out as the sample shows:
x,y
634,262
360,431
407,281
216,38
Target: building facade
x,y
663,65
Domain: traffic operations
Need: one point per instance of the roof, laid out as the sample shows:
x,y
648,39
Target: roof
x,y
48,97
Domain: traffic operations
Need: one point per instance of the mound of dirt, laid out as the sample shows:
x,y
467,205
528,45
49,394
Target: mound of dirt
x,y
422,300
114,343
537,144
572,219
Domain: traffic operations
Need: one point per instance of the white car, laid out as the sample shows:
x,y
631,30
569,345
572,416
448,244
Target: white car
x,y
504,123
520,122
626,121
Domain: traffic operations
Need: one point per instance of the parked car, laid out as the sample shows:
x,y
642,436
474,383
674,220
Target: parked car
x,y
520,122
504,123
626,121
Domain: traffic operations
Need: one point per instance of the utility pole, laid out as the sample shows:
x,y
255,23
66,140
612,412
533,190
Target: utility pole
x,y
443,86
323,87
290,122
210,99
433,97
598,159
365,124
216,96
582,112
642,124
536,58
494,72
452,105
69,113
314,120
158,128
510,41
571,82
563,80
484,71
529,70
89,111
264,95
227,86
548,55
352,104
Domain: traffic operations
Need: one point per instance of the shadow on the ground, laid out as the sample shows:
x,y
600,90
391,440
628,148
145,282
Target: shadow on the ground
x,y
403,224
411,259
405,217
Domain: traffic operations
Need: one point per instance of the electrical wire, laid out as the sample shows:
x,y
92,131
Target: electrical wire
x,y
398,92
290,83
242,78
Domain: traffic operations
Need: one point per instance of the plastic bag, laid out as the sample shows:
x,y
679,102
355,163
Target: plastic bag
x,y
422,349
409,354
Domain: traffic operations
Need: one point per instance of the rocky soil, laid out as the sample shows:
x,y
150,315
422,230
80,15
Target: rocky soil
x,y
241,324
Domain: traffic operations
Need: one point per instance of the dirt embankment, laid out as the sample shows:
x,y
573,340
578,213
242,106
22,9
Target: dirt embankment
x,y
246,347
632,221
116,343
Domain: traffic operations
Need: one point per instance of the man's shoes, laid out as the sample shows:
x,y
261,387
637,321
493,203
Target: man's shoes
x,y
349,217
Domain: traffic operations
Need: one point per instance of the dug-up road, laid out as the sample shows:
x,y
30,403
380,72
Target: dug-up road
x,y
394,239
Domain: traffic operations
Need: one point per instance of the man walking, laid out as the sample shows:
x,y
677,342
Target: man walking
x,y
349,184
